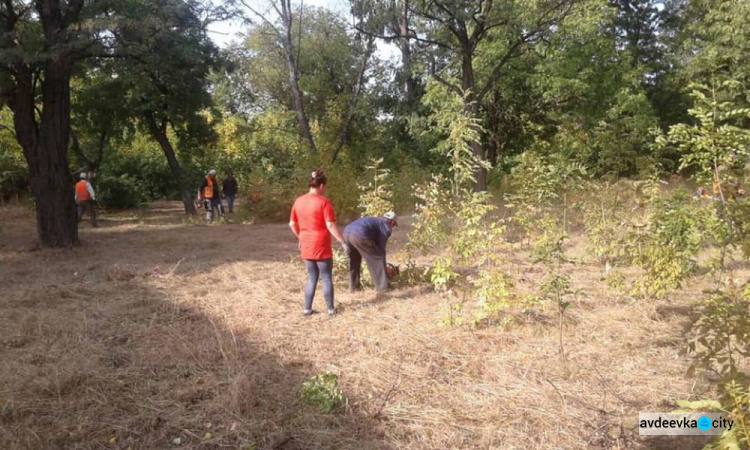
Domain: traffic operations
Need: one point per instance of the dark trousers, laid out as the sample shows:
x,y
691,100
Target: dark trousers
x,y
230,203
322,268
87,206
373,255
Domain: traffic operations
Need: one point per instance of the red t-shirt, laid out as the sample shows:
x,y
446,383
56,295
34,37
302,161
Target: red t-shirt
x,y
311,212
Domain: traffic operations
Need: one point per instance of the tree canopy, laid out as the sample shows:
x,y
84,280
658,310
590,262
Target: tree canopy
x,y
591,81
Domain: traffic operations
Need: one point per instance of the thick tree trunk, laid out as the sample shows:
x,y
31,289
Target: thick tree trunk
x,y
44,139
45,147
159,132
57,221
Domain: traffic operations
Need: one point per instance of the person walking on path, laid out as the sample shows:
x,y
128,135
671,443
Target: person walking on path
x,y
85,198
210,194
229,188
366,238
313,221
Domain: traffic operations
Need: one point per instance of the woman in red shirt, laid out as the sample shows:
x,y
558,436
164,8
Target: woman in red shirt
x,y
313,222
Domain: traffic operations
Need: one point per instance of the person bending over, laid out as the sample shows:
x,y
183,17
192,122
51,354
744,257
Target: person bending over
x,y
366,238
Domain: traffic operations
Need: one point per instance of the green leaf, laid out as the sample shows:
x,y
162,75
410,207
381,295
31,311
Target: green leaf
x,y
700,405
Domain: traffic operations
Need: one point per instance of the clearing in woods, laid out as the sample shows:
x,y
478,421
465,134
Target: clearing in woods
x,y
156,333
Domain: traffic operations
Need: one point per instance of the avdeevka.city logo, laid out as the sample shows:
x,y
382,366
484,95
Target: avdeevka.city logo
x,y
704,423
695,423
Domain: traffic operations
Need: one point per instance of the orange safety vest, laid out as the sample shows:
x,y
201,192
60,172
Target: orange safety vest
x,y
82,191
208,191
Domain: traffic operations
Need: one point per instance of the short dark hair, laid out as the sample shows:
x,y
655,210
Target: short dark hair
x,y
317,178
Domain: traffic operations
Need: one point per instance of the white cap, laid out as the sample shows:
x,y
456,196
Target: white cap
x,y
390,215
212,172
83,175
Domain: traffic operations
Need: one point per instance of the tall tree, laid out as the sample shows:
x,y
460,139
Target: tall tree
x,y
717,43
391,21
289,33
168,91
638,23
460,28
99,112
282,30
39,46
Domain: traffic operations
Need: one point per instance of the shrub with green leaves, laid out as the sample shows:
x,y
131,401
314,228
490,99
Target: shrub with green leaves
x,y
675,235
121,192
716,147
376,197
322,391
457,224
735,402
496,296
610,219
720,338
13,167
431,228
13,174
719,341
538,184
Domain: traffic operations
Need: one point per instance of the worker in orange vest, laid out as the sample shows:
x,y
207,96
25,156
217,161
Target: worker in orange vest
x,y
210,194
85,198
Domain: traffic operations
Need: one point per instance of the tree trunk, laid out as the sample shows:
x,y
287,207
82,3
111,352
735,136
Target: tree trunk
x,y
45,147
291,63
57,221
44,139
493,152
495,147
403,44
471,104
160,134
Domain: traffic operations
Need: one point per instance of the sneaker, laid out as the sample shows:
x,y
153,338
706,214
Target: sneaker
x,y
307,312
331,312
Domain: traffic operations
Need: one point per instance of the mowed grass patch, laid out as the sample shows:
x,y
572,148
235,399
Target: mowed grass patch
x,y
162,333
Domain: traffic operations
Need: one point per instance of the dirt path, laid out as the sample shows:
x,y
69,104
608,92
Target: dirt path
x,y
158,333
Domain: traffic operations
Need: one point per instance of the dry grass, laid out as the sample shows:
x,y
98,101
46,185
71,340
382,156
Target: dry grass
x,y
155,332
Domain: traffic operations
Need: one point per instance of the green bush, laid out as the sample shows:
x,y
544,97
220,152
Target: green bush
x,y
376,197
121,192
140,167
267,201
676,232
13,168
322,391
13,177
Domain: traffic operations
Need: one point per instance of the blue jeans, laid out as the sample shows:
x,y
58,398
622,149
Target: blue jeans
x,y
230,203
324,269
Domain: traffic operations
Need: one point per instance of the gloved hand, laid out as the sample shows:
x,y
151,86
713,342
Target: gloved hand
x,y
345,247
